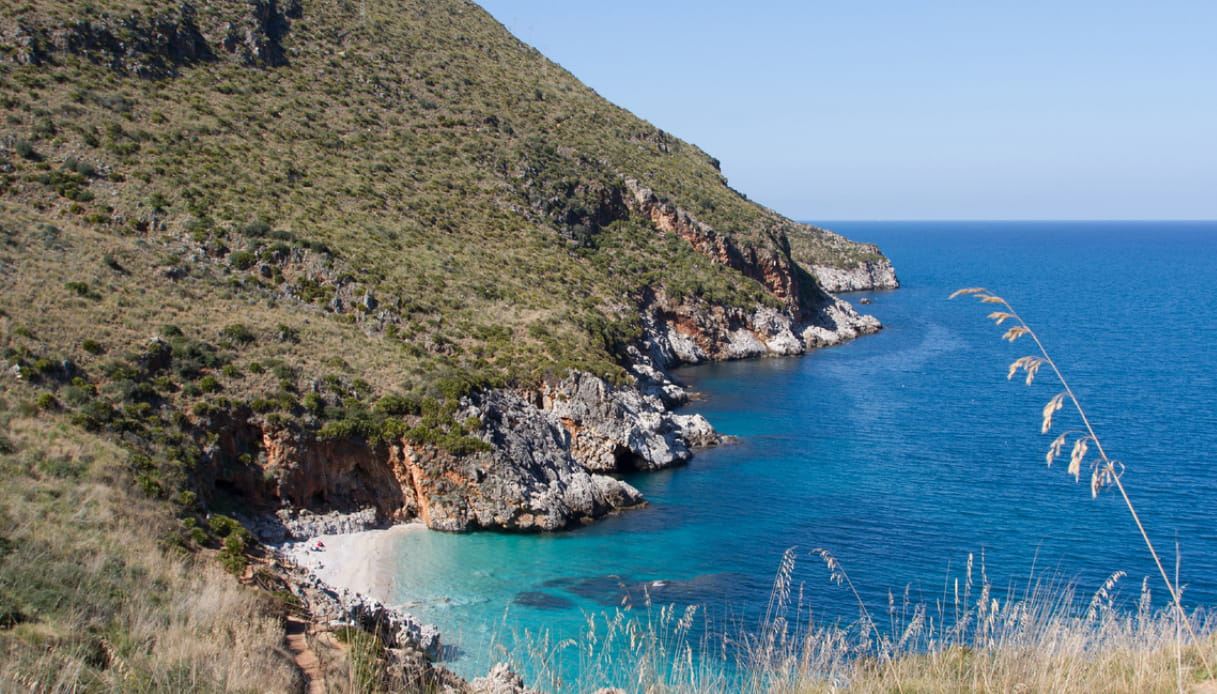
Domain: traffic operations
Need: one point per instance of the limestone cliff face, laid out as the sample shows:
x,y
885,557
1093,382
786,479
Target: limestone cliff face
x,y
614,429
531,479
692,332
865,276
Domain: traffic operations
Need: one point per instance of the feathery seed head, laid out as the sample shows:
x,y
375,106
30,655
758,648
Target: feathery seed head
x,y
969,290
1055,448
1079,452
1014,333
1053,405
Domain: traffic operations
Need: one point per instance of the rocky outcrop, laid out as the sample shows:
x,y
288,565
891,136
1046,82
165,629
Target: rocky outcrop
x,y
528,481
773,269
695,332
300,525
500,680
835,322
154,46
866,275
615,429
683,333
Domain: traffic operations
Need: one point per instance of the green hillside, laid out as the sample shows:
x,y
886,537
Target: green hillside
x,y
335,218
415,153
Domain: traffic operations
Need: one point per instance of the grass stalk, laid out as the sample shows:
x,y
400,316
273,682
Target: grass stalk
x,y
1105,471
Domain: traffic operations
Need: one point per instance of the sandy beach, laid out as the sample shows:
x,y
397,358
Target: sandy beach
x,y
357,562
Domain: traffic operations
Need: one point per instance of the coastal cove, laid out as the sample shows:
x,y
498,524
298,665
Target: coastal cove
x,y
902,453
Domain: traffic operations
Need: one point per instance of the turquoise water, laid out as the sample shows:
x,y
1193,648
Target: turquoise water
x,y
901,453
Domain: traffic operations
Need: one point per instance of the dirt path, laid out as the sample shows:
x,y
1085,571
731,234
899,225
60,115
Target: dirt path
x,y
303,655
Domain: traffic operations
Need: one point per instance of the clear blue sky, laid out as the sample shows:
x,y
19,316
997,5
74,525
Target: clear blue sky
x,y
973,109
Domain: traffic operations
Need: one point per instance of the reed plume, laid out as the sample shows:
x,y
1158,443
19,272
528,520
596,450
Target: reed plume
x,y
1104,471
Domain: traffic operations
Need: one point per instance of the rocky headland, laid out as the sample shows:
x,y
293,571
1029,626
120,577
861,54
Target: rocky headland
x,y
549,450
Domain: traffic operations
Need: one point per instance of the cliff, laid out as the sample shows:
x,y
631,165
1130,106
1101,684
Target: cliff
x,y
394,259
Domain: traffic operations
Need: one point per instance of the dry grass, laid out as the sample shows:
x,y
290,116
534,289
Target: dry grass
x,y
1104,472
1046,639
95,602
1040,641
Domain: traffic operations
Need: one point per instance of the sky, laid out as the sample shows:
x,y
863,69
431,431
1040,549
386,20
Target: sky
x,y
879,109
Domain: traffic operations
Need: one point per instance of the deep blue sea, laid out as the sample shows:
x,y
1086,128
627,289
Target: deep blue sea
x,y
901,453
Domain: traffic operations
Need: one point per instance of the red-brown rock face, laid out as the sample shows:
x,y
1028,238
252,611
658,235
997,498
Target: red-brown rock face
x,y
773,270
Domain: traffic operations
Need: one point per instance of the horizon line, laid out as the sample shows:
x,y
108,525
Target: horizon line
x,y
1012,219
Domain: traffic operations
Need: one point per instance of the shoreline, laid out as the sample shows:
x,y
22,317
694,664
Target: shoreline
x,y
345,580
350,562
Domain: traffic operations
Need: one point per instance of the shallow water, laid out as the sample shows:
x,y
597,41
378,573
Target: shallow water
x,y
901,453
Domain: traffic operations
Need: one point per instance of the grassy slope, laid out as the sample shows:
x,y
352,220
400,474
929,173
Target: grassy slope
x,y
91,596
452,171
414,152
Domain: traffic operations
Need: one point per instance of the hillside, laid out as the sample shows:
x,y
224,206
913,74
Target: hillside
x,y
346,255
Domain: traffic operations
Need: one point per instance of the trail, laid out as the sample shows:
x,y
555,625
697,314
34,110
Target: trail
x,y
304,656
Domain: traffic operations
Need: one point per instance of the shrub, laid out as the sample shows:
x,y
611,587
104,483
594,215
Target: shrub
x,y
313,402
222,525
256,229
80,289
238,333
92,346
242,260
396,405
25,150
149,485
263,405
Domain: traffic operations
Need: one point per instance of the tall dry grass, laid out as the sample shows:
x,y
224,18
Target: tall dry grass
x,y
973,638
1103,471
96,602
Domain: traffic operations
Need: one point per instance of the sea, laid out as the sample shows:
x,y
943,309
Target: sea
x,y
906,455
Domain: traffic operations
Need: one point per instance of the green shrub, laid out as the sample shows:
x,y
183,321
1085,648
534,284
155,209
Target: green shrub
x,y
205,409
80,289
313,402
92,346
149,485
242,260
263,405
222,525
396,405
198,536
25,150
256,229
238,333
